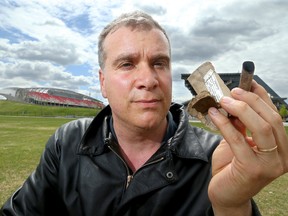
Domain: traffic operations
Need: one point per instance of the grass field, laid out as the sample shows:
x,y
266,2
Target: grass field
x,y
22,140
24,109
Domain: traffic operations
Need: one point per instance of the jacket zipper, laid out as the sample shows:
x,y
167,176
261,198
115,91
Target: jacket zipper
x,y
129,179
131,176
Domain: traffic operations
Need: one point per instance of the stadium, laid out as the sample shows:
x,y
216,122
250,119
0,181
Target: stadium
x,y
50,96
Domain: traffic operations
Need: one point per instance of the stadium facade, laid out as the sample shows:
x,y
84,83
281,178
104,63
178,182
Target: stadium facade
x,y
50,96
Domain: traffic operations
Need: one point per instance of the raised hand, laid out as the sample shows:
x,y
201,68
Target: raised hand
x,y
243,165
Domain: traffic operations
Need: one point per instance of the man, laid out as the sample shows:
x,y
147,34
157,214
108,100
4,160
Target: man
x,y
140,155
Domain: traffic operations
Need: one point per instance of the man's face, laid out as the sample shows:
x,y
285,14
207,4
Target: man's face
x,y
137,77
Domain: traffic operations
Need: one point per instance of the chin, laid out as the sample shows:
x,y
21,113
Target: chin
x,y
149,123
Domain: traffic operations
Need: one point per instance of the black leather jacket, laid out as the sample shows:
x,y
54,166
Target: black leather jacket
x,y
80,173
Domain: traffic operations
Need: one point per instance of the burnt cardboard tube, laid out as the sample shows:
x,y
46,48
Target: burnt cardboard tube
x,y
247,74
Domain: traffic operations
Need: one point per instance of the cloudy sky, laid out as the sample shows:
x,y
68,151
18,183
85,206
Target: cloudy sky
x,y
53,43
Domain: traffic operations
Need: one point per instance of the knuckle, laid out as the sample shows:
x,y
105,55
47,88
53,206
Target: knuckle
x,y
277,118
257,98
274,107
276,171
243,107
237,138
266,128
273,171
225,124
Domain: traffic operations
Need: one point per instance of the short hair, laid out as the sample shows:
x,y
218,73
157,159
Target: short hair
x,y
134,20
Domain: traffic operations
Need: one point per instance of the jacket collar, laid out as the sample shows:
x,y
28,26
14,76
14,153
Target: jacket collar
x,y
184,143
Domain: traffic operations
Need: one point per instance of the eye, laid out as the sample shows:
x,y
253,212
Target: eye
x,y
161,64
126,66
158,64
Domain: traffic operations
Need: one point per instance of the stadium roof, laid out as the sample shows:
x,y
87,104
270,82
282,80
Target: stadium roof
x,y
50,96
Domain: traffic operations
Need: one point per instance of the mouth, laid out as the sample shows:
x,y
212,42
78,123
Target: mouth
x,y
148,103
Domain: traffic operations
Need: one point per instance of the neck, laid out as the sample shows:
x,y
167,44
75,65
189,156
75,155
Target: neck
x,y
137,145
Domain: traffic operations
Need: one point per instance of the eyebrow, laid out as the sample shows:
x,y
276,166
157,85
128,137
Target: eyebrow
x,y
123,57
161,56
131,56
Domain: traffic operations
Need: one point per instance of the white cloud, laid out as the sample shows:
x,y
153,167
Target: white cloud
x,y
42,40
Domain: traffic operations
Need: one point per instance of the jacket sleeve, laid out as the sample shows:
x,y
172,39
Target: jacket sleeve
x,y
40,187
255,210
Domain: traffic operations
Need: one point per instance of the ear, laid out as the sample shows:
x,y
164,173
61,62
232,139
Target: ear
x,y
102,83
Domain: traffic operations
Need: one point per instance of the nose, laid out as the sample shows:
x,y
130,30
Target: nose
x,y
146,78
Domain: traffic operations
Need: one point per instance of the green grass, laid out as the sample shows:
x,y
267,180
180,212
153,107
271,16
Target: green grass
x,y
24,130
24,109
272,200
22,140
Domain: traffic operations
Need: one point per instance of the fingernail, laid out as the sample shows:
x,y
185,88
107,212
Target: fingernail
x,y
226,100
238,91
213,111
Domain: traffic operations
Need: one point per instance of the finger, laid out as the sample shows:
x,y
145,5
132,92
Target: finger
x,y
267,113
247,161
232,136
222,156
261,131
262,93
259,106
238,125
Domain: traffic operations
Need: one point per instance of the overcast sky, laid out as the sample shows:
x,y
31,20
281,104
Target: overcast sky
x,y
53,43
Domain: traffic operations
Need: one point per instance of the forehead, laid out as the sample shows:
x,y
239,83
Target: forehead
x,y
128,38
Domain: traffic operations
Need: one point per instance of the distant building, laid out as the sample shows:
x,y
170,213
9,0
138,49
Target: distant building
x,y
232,80
50,96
